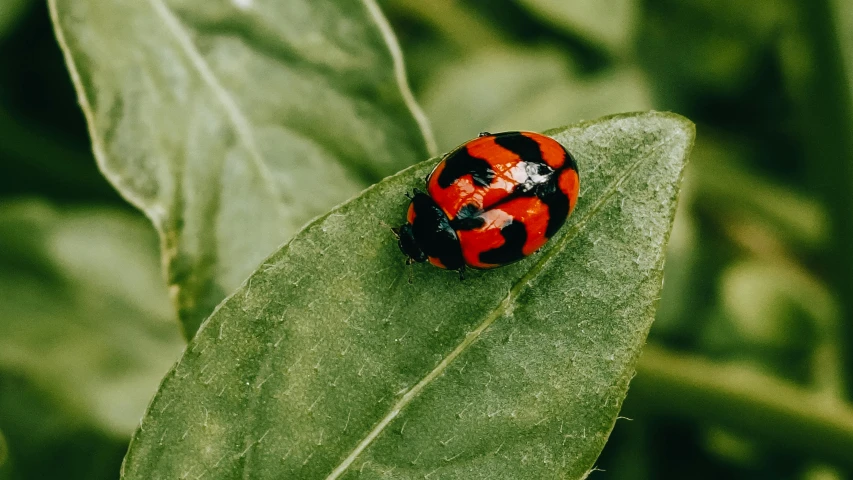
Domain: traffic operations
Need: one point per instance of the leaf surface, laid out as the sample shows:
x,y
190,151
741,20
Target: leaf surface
x,y
231,123
328,364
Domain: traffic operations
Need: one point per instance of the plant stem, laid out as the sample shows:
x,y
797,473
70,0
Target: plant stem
x,y
746,401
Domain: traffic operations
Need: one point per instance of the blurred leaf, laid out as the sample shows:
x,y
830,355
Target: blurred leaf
x,y
768,319
609,23
765,301
777,307
84,316
706,47
677,297
328,364
725,186
768,409
456,21
11,11
39,425
499,90
231,123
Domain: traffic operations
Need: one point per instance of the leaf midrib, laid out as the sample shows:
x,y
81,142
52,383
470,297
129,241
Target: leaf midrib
x,y
502,307
235,115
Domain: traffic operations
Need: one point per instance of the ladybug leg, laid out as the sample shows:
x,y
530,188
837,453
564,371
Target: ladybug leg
x,y
483,134
461,273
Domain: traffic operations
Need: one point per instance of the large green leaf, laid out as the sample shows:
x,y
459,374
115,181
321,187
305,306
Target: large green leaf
x,y
327,363
84,318
231,123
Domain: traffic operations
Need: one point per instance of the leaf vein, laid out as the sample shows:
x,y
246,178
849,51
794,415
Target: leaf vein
x,y
239,121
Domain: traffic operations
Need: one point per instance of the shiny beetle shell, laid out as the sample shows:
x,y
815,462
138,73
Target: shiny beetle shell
x,y
491,201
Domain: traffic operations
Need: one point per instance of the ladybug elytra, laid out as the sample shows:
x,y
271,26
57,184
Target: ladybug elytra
x,y
491,201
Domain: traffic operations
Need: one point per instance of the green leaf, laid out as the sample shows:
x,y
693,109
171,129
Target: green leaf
x,y
327,363
608,23
231,123
84,318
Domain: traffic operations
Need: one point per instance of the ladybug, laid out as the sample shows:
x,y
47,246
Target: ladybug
x,y
490,202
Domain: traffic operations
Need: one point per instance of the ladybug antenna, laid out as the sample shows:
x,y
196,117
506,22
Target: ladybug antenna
x,y
394,230
411,271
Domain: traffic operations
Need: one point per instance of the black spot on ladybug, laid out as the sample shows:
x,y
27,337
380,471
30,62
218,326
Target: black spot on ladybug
x,y
467,223
461,163
525,147
469,210
557,202
515,235
468,218
431,234
570,161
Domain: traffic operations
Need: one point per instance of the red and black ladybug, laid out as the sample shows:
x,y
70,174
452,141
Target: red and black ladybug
x,y
491,201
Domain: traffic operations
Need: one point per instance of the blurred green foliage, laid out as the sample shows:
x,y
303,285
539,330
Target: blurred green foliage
x,y
759,276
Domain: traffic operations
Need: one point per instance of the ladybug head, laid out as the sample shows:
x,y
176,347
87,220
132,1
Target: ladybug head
x,y
406,241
